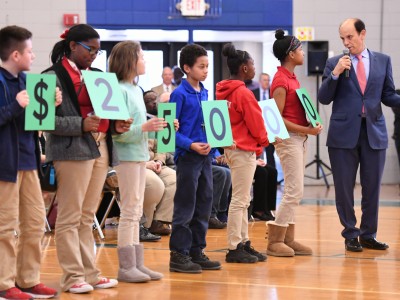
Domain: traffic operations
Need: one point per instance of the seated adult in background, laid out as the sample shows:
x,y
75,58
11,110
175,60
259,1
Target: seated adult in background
x,y
166,85
221,186
160,181
177,74
264,191
164,97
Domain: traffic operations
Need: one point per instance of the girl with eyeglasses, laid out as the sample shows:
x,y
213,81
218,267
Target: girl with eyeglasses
x,y
81,148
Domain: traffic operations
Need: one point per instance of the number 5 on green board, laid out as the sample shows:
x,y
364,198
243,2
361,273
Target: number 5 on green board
x,y
166,137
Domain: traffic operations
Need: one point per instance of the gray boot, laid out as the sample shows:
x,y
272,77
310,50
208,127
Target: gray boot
x,y
140,264
127,271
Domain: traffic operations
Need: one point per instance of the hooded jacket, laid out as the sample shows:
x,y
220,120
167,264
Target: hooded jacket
x,y
247,123
9,149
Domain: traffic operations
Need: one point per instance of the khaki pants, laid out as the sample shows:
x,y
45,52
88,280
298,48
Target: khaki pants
x,y
292,154
159,195
131,181
242,165
21,203
79,189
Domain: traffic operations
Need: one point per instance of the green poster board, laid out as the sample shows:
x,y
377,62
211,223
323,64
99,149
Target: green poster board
x,y
309,107
106,96
166,137
40,112
217,123
273,120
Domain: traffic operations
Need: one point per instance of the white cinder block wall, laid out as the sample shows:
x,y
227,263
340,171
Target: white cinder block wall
x,y
45,19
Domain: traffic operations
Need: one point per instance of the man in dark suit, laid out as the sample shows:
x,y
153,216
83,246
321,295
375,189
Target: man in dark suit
x,y
357,84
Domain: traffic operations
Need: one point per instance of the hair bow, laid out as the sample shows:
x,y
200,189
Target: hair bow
x,y
64,34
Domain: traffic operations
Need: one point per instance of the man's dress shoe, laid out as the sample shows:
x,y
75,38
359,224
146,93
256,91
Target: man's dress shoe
x,y
353,245
372,243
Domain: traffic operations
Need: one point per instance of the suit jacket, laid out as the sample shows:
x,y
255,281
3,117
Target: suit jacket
x,y
345,93
159,89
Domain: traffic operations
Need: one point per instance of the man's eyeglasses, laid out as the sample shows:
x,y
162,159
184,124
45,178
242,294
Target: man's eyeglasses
x,y
91,51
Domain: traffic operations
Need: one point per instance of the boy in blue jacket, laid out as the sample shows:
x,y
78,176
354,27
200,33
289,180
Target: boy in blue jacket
x,y
194,191
21,199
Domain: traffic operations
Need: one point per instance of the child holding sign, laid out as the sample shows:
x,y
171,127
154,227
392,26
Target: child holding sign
x,y
81,149
21,198
250,137
126,60
194,194
292,151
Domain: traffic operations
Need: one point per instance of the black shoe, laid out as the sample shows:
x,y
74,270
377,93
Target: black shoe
x,y
239,255
205,263
179,262
265,216
353,245
223,217
146,236
249,249
372,243
214,223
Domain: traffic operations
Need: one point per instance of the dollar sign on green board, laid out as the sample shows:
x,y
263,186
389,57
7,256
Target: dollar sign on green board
x,y
43,110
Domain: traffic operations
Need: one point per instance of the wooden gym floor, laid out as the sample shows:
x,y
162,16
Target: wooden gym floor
x,y
330,273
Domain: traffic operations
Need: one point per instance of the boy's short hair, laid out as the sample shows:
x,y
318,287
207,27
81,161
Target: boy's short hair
x,y
189,55
13,38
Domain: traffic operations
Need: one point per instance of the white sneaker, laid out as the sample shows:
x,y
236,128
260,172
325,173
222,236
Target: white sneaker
x,y
80,288
106,283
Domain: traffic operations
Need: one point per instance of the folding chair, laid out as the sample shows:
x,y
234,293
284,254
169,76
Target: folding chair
x,y
110,186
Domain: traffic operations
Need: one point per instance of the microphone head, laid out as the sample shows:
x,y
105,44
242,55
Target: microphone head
x,y
346,52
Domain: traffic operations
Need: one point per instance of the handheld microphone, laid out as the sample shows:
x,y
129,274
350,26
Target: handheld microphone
x,y
346,72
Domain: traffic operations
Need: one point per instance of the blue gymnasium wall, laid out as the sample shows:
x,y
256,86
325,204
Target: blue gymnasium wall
x,y
251,15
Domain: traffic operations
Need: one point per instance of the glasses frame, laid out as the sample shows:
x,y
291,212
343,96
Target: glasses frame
x,y
91,51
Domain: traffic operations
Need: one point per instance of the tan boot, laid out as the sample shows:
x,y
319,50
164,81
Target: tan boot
x,y
276,246
298,248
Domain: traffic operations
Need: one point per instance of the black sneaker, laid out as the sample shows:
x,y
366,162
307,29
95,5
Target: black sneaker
x,y
179,262
146,236
239,255
214,223
249,249
205,263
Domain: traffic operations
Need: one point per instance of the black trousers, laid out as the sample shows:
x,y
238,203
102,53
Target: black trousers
x,y
264,188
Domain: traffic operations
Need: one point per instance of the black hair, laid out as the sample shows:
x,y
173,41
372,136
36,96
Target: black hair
x,y
77,33
284,44
235,58
189,55
359,25
13,38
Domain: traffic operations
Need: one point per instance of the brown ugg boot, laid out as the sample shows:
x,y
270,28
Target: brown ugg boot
x,y
298,248
276,246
